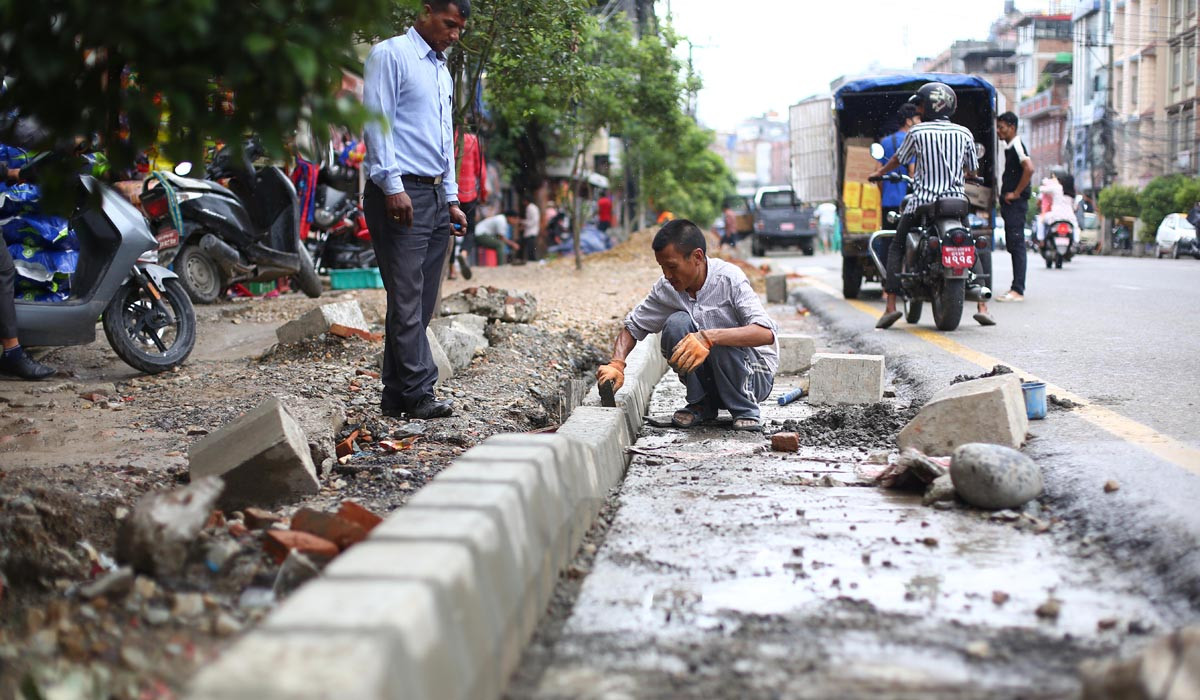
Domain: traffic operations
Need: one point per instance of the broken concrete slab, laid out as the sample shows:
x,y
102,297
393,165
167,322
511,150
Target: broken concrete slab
x,y
499,304
795,352
846,379
156,536
263,456
319,320
295,570
461,337
991,410
1168,669
321,420
777,288
994,477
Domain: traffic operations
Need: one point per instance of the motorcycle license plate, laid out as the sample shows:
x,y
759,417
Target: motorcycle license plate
x,y
167,237
787,226
958,257
1062,242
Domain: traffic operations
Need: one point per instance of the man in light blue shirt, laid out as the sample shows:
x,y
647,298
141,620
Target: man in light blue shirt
x,y
412,198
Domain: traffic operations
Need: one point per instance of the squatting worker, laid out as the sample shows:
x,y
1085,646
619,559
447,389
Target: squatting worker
x,y
412,197
715,333
1014,200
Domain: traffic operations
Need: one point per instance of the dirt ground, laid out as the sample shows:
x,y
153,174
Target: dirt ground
x,y
78,451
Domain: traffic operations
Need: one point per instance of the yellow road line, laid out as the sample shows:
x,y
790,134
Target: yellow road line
x,y
1162,446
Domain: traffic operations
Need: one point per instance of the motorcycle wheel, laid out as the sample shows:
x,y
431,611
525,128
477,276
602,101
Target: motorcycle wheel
x,y
1058,261
199,274
948,304
145,339
912,311
307,279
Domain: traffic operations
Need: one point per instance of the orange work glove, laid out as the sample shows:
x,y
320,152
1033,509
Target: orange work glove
x,y
691,352
613,372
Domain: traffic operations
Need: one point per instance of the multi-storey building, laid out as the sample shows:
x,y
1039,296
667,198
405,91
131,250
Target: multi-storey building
x,y
1180,93
1090,136
1141,148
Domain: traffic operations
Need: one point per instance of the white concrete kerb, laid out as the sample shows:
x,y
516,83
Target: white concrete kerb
x,y
441,599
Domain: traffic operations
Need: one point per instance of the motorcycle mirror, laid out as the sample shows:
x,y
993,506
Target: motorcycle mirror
x,y
979,150
877,151
183,169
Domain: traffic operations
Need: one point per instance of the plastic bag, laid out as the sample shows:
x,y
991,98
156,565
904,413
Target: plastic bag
x,y
14,156
60,282
19,199
42,265
39,231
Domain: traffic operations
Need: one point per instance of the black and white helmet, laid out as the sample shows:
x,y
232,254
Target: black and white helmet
x,y
939,100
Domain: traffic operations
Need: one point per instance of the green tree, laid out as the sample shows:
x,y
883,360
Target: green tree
x,y
1118,202
1157,199
178,73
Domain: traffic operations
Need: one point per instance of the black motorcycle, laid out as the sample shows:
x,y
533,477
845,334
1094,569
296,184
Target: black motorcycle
x,y
939,260
216,236
1060,244
338,238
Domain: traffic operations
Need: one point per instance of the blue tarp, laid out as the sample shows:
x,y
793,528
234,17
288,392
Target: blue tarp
x,y
954,80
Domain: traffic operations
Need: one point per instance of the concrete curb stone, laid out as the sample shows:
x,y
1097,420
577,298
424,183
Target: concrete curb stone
x,y
442,597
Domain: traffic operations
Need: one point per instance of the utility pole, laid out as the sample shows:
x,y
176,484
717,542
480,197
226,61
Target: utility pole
x,y
1106,125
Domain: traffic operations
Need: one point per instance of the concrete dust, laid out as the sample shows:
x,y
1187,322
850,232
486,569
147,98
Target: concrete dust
x,y
873,425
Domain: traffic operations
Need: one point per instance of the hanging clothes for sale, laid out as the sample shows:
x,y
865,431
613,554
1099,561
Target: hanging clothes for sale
x,y
305,177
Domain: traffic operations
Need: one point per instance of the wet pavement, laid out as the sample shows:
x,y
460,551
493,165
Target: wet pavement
x,y
733,571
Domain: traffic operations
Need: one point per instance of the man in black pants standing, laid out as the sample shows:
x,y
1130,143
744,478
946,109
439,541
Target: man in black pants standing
x,y
1014,201
412,197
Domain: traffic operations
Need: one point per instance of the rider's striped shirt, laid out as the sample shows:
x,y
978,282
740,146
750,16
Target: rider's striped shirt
x,y
943,151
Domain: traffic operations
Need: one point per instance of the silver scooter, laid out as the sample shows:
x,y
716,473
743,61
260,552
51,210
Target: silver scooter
x,y
147,316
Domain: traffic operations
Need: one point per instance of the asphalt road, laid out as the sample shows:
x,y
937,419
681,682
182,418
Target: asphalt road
x,y
1118,335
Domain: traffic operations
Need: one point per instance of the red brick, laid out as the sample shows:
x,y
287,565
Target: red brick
x,y
279,542
342,533
259,519
785,442
346,447
353,512
237,528
347,332
215,519
367,373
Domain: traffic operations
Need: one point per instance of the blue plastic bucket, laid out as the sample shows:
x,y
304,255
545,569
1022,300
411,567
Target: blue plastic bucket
x,y
1035,399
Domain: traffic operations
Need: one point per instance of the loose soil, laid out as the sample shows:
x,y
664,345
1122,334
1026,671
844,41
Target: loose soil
x,y
71,468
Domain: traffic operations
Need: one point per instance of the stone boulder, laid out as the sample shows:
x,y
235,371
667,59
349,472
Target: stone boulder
x,y
994,477
1167,669
991,409
492,303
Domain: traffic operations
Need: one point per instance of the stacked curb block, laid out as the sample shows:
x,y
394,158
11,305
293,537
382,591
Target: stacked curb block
x,y
440,600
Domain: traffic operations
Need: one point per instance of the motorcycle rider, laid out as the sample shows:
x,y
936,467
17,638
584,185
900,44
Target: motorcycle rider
x,y
944,153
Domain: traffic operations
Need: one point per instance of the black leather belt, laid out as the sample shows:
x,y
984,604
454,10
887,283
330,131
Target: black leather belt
x,y
422,179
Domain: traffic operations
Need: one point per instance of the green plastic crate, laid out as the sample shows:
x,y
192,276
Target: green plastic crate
x,y
260,288
366,278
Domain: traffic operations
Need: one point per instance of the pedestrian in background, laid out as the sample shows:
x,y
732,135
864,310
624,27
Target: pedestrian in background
x,y
1014,201
604,213
826,223
530,227
412,197
472,187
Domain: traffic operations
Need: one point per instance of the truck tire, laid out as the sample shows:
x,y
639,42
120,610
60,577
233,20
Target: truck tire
x,y
808,249
948,304
852,277
757,248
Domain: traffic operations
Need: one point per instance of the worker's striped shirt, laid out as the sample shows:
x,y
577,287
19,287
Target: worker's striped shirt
x,y
943,151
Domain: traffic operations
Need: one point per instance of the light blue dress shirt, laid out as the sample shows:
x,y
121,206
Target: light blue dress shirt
x,y
410,86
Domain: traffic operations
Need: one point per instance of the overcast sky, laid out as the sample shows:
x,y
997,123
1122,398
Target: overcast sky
x,y
760,55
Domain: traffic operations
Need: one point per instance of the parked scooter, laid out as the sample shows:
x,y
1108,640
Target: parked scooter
x,y
939,257
1059,244
338,238
218,236
146,314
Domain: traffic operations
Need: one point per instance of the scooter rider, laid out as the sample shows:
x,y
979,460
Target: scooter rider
x,y
944,154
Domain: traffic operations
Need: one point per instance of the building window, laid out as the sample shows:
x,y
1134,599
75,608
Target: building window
x,y
1176,10
1133,92
1176,58
1189,61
